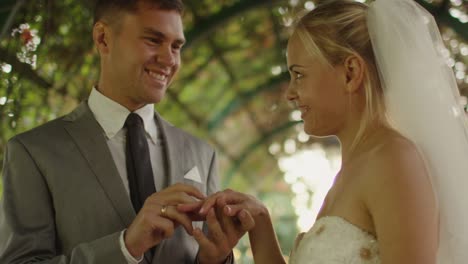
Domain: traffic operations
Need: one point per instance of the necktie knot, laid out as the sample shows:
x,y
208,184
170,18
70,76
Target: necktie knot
x,y
133,120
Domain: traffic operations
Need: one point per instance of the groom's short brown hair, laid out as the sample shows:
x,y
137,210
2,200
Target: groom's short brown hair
x,y
111,8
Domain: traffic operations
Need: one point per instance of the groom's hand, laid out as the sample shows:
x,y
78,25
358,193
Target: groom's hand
x,y
159,217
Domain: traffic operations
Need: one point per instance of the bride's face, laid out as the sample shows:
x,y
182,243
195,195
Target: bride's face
x,y
318,91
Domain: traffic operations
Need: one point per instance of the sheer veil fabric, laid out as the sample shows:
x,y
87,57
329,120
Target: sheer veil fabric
x,y
423,103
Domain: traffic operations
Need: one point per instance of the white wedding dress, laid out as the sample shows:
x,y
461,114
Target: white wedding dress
x,y
334,240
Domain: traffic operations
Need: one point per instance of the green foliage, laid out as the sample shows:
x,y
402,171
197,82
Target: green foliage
x,y
225,93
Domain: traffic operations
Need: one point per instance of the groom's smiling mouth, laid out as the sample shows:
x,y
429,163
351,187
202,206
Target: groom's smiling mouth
x,y
158,76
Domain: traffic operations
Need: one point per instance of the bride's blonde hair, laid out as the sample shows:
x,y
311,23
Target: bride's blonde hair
x,y
332,32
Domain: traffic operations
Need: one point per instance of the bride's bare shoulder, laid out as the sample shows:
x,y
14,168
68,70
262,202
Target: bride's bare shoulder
x,y
395,150
396,162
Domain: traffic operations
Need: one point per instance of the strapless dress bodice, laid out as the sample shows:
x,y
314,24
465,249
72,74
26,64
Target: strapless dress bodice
x,y
333,240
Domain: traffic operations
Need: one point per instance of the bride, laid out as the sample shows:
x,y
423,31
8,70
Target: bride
x,y
373,77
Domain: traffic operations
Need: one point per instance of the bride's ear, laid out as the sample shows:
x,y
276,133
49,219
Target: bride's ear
x,y
355,68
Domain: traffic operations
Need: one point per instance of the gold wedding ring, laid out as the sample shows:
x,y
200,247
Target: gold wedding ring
x,y
163,210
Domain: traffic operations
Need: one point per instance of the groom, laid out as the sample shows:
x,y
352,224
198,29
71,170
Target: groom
x,y
77,191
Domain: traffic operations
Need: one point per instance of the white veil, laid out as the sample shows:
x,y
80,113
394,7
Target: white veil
x,y
423,102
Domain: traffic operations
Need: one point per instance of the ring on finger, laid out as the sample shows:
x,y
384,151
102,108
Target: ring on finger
x,y
164,211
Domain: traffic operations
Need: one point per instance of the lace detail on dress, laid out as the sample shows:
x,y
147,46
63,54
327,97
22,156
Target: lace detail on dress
x,y
331,240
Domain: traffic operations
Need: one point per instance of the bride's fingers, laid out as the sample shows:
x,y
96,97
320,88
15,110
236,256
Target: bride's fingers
x,y
221,199
209,203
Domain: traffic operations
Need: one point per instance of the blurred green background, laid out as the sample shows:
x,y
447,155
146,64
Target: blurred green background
x,y
230,91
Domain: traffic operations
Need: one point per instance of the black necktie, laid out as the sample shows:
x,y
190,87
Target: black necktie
x,y
139,171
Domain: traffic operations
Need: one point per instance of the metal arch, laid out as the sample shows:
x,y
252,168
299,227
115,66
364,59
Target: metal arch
x,y
249,149
228,69
245,97
207,25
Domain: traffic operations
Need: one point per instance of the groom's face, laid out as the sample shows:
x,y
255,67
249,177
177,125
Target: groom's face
x,y
144,54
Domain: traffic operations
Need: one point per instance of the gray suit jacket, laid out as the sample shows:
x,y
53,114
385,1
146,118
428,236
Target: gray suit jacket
x,y
64,201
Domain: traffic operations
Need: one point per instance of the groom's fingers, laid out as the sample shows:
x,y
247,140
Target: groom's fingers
x,y
190,207
172,214
214,227
174,198
216,233
196,216
229,226
227,196
233,209
242,215
230,197
188,189
171,197
246,220
203,241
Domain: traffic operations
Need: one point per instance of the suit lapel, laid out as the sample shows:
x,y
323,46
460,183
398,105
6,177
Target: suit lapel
x,y
90,140
175,155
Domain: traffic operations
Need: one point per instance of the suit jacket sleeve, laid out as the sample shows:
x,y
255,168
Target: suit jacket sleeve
x,y
27,225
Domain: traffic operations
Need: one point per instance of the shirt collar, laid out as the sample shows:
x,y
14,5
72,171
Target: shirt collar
x,y
111,115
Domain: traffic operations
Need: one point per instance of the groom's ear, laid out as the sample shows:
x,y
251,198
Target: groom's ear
x,y
101,37
355,68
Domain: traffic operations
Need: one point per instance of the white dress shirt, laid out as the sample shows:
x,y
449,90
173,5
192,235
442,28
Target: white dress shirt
x,y
111,117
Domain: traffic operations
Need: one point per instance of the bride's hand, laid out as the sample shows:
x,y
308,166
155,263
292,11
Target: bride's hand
x,y
246,208
234,203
